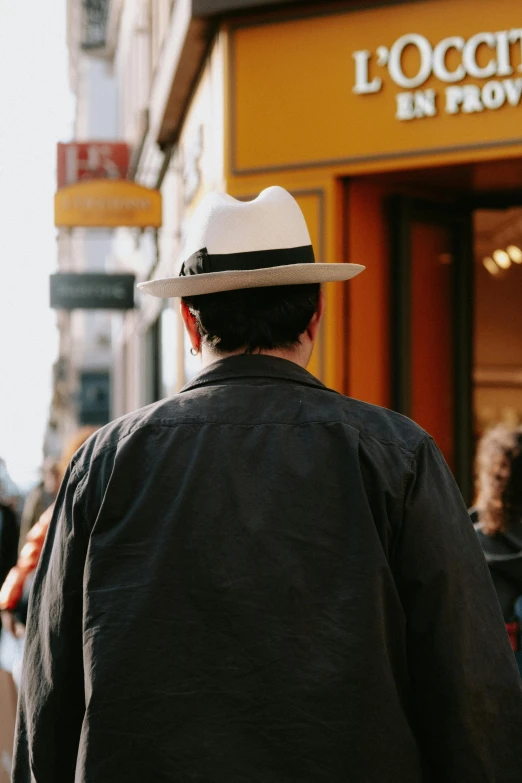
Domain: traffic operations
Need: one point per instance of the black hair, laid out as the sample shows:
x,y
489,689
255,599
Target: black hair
x,y
254,319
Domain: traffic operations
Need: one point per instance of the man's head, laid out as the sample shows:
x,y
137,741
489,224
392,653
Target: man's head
x,y
248,279
279,320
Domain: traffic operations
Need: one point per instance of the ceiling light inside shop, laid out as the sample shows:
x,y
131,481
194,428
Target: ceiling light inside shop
x,y
515,254
490,265
502,259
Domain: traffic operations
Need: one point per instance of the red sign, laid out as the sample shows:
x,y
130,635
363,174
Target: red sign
x,y
79,161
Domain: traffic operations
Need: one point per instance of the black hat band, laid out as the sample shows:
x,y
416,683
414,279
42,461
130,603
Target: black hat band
x,y
203,262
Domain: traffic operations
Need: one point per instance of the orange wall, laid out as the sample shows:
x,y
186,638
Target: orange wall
x,y
368,310
368,313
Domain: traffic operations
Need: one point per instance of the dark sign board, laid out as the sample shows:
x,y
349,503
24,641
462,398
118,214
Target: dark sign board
x,y
95,395
92,291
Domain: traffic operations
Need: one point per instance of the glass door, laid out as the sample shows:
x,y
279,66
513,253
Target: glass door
x,y
431,324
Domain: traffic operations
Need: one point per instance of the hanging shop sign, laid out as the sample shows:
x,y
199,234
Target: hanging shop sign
x,y
92,291
80,161
107,203
397,82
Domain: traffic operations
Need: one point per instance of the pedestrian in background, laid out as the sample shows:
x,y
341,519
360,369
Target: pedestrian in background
x,y
498,521
9,494
16,585
9,526
259,579
9,532
41,497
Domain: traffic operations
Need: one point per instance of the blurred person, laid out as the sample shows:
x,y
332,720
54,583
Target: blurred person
x,y
259,578
9,527
9,531
41,497
498,520
8,537
16,585
8,490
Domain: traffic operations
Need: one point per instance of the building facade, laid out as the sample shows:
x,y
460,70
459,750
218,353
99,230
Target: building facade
x,y
82,372
397,127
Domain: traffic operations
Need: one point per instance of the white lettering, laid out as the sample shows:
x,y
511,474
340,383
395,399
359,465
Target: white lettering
x,y
424,103
471,99
513,88
362,85
439,60
395,60
469,56
493,95
454,99
416,105
503,54
514,36
404,106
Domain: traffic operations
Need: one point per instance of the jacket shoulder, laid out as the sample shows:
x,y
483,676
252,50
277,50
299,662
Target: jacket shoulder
x,y
107,439
382,424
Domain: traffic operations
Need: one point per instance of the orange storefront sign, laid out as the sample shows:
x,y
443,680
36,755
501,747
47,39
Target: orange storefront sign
x,y
107,203
383,84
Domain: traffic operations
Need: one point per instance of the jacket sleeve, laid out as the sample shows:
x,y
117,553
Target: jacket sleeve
x,y
466,688
52,702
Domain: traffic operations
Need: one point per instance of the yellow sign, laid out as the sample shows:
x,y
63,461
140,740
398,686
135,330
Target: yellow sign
x,y
386,83
107,203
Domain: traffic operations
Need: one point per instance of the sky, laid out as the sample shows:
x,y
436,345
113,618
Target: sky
x,y
36,111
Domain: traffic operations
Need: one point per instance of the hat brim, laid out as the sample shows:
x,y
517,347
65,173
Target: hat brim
x,y
213,282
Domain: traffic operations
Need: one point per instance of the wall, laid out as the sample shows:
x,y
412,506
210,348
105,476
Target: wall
x,y
368,310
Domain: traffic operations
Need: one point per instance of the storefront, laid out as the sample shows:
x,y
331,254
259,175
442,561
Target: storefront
x,y
398,128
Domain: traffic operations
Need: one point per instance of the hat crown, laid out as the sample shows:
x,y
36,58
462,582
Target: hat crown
x,y
224,225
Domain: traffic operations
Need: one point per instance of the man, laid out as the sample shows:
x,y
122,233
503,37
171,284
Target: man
x,y
260,579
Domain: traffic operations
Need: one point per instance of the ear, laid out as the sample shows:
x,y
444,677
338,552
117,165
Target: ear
x,y
313,326
190,326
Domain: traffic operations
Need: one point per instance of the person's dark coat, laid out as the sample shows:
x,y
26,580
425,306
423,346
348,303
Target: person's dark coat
x,y
503,553
262,580
9,532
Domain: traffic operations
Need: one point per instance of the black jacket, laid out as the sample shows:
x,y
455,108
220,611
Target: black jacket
x,y
503,553
262,580
9,532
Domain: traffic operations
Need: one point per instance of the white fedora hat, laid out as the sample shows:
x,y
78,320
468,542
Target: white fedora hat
x,y
247,244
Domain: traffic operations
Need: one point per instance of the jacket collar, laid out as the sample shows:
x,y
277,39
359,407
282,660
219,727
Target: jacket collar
x,y
246,366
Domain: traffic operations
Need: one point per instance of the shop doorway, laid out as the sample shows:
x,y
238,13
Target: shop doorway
x,y
456,319
436,326
497,393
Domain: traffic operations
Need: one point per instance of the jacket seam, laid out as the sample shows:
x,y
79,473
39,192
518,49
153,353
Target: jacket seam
x,y
410,473
80,486
195,421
